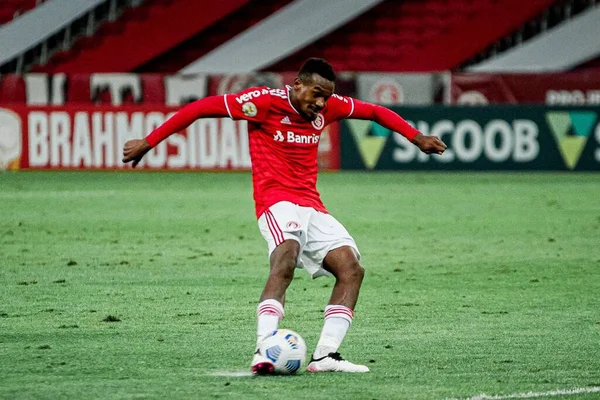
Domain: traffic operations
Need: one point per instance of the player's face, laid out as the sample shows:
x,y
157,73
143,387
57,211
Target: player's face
x,y
311,97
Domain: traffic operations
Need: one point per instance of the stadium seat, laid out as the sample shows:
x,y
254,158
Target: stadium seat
x,y
101,96
6,15
153,89
78,89
13,8
12,89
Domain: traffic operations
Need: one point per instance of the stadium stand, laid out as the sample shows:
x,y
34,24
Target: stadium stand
x,y
558,13
139,35
539,53
409,35
14,8
416,35
214,36
279,35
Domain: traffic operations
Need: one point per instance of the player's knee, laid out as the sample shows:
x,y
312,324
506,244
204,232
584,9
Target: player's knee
x,y
358,272
354,272
283,259
286,253
282,273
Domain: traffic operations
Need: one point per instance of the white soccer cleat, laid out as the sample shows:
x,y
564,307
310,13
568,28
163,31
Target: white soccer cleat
x,y
333,362
261,365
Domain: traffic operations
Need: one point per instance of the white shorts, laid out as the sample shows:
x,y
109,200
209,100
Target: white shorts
x,y
317,233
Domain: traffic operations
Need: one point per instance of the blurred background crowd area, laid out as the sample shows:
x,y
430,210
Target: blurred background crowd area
x,y
392,52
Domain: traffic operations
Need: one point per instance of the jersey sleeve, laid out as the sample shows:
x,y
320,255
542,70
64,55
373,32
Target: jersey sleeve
x,y
340,107
208,107
251,104
384,117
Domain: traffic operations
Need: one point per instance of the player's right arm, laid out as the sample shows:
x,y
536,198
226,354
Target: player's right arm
x,y
251,104
213,106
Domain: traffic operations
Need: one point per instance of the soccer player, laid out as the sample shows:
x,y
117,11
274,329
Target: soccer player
x,y
284,128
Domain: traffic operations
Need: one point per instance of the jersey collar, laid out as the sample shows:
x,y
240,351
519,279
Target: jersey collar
x,y
288,87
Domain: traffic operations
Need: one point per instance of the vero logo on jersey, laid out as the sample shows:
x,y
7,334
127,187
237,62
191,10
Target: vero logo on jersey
x,y
292,137
250,95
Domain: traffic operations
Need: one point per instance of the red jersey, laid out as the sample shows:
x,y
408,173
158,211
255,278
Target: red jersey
x,y
283,144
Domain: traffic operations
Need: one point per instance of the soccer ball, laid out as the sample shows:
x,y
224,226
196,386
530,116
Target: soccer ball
x,y
285,349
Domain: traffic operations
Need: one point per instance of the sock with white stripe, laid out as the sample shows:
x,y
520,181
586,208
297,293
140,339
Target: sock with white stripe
x,y
337,321
269,312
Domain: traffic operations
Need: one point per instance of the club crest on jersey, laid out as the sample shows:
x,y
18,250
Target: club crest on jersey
x,y
319,122
249,109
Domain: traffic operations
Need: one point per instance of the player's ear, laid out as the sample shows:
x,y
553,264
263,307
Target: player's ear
x,y
297,83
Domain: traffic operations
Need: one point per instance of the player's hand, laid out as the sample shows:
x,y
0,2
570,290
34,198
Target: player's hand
x,y
134,150
429,144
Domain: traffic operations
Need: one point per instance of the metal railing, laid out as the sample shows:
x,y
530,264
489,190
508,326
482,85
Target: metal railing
x,y
559,12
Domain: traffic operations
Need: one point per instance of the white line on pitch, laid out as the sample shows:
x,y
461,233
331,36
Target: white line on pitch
x,y
230,373
532,395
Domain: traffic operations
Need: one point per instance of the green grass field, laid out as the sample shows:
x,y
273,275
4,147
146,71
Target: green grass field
x,y
476,283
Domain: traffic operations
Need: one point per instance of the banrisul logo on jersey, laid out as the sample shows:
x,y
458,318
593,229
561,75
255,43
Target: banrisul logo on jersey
x,y
481,138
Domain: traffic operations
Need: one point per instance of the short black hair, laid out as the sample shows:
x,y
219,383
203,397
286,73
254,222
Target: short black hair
x,y
316,66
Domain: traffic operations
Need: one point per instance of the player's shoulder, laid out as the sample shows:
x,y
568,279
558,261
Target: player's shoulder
x,y
261,94
342,105
254,103
337,99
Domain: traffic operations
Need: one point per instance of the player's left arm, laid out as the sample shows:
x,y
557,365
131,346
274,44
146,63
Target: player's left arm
x,y
390,120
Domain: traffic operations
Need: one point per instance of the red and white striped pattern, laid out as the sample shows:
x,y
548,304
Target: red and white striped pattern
x,y
338,311
270,307
275,230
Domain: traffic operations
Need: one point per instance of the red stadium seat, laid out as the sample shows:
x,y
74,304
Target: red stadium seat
x,y
102,96
153,89
11,8
6,15
78,89
12,89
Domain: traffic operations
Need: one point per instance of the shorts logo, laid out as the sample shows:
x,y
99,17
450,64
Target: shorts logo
x,y
319,122
249,109
293,225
